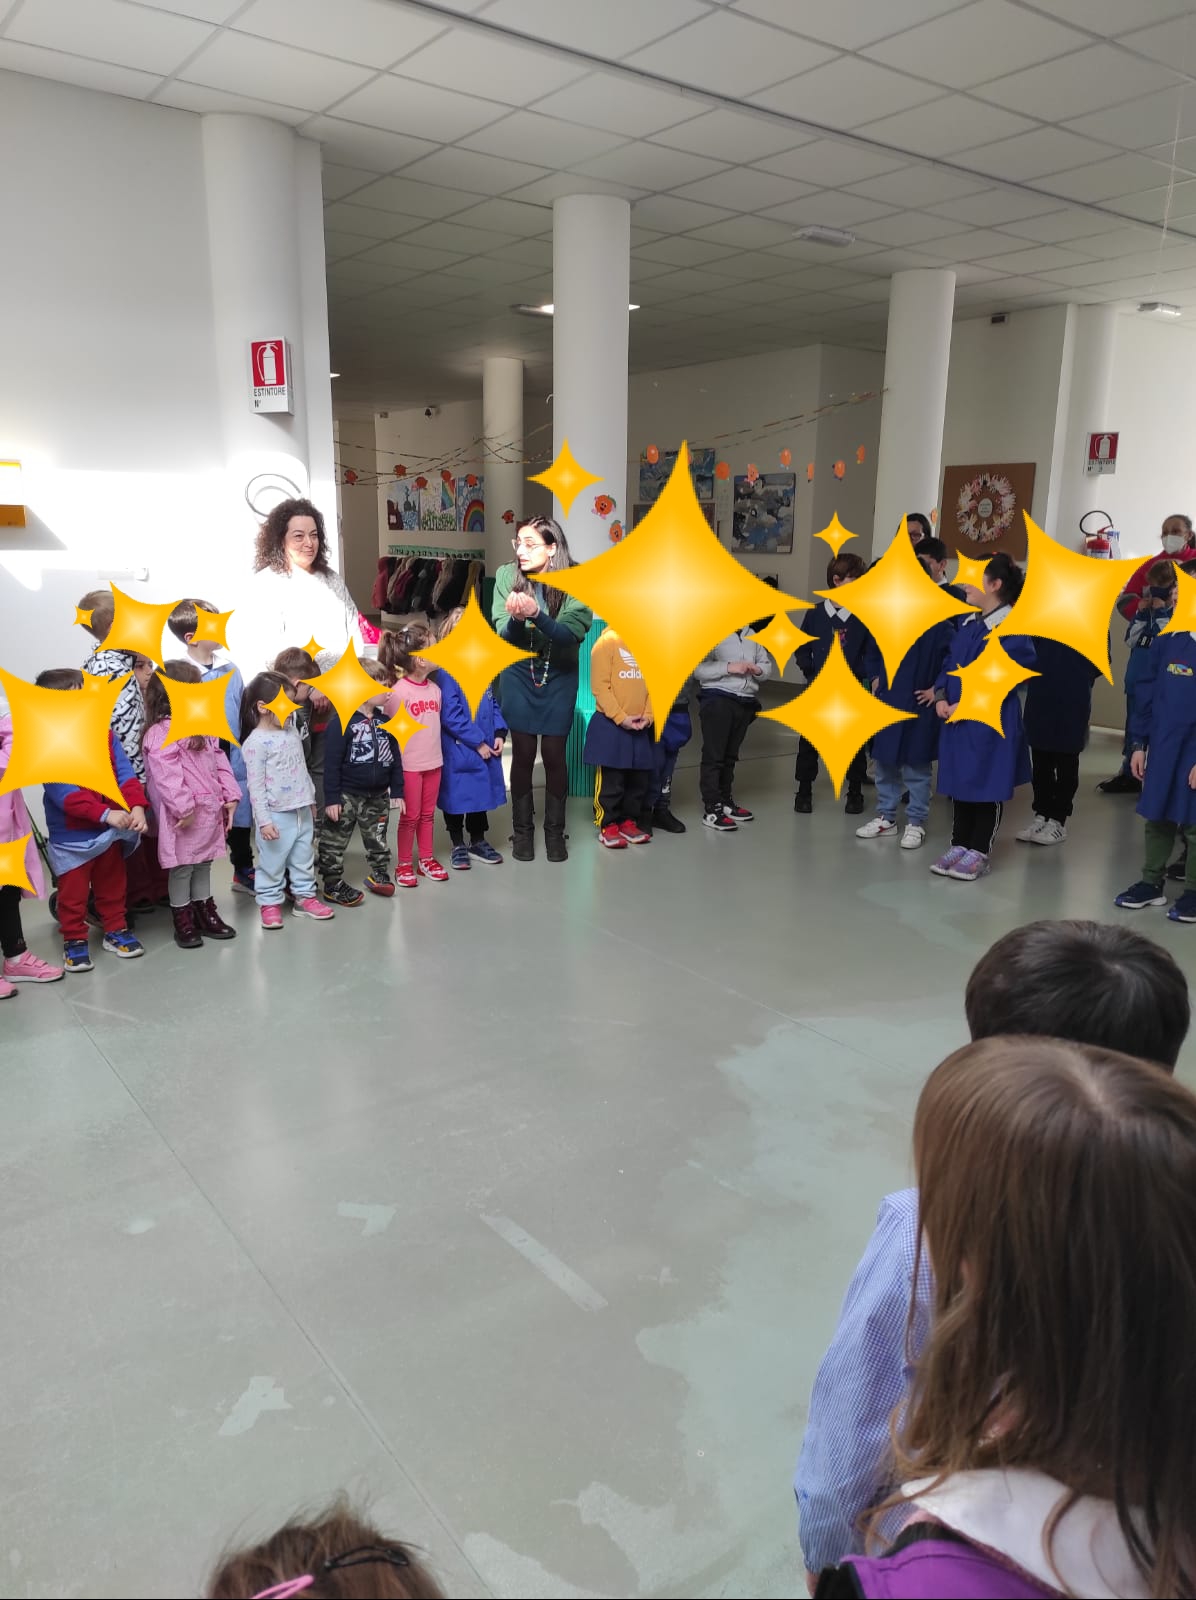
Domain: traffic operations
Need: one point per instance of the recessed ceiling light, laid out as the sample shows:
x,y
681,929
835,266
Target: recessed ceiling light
x,y
1159,308
334,374
546,310
837,238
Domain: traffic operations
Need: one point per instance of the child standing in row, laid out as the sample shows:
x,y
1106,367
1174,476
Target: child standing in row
x,y
422,757
195,797
619,743
1057,713
283,799
905,753
729,682
20,963
674,736
471,747
824,622
89,839
363,784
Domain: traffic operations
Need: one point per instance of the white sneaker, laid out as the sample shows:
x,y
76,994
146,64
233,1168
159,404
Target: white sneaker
x,y
913,837
1051,833
878,828
1030,835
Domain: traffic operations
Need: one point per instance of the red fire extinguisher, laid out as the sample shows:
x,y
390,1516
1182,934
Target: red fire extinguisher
x,y
1101,539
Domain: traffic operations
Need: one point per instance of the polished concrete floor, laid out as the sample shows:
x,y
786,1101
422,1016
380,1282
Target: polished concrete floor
x,y
522,1205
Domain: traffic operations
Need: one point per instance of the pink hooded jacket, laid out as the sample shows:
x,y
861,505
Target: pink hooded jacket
x,y
14,818
181,782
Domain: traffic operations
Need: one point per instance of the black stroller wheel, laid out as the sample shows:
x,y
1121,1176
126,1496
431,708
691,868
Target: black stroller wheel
x,y
52,903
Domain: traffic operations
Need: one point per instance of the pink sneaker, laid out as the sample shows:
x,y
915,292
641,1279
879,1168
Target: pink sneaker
x,y
313,908
7,990
271,918
28,968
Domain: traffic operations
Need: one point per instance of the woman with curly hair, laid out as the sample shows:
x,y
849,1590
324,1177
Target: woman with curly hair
x,y
295,594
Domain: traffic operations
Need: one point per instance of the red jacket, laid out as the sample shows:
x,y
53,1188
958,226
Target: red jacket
x,y
1137,586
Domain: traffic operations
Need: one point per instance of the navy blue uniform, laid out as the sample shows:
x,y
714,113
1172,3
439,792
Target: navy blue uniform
x,y
1057,713
854,640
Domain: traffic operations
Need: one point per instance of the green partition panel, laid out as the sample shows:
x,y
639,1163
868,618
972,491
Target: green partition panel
x,y
581,777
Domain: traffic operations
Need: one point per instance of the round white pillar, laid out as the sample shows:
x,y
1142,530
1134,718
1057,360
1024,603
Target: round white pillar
x,y
917,355
502,453
591,274
1088,411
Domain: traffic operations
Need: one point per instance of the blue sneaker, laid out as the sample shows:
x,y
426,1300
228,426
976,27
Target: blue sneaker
x,y
1140,895
123,944
243,880
459,859
76,957
485,851
1184,909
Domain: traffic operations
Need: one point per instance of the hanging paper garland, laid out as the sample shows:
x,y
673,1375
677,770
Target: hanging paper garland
x,y
859,455
616,532
986,508
722,470
839,468
603,505
350,475
508,516
472,480
400,471
446,475
753,472
652,454
786,457
421,483
809,472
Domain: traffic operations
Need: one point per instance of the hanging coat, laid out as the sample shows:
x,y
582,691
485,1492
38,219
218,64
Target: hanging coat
x,y
1163,723
910,744
468,782
1059,703
974,762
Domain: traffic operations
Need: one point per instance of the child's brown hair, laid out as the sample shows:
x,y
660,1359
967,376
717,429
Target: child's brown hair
x,y
296,664
157,698
340,1552
449,622
396,649
184,619
1161,575
848,568
103,608
59,678
377,670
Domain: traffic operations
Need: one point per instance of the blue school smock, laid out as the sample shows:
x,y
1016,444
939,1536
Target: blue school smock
x,y
1163,723
974,762
1140,636
1058,705
243,816
822,627
910,744
467,782
609,745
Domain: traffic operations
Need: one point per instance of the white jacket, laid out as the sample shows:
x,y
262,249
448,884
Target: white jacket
x,y
712,674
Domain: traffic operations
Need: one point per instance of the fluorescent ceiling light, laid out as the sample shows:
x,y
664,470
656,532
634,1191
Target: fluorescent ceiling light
x,y
546,310
1159,308
837,238
334,374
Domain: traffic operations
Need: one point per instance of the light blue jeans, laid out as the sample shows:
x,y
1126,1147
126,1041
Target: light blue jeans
x,y
291,853
891,780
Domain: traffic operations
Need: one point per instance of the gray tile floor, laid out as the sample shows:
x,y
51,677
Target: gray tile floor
x,y
522,1205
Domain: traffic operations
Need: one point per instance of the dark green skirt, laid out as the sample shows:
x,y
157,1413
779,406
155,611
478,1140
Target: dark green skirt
x,y
530,709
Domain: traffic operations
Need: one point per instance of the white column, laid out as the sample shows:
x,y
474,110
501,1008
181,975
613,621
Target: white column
x,y
917,355
502,453
1087,410
315,396
591,271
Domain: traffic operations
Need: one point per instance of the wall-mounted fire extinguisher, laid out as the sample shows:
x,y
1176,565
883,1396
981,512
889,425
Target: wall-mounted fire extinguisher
x,y
1101,538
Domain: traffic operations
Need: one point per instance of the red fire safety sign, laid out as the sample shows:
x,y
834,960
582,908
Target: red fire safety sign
x,y
1102,453
270,375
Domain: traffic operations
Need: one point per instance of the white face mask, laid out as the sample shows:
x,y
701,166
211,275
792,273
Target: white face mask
x,y
1173,543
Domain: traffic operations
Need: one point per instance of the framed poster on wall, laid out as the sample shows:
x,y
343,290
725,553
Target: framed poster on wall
x,y
763,514
982,509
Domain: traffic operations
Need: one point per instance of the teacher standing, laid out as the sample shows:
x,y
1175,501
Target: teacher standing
x,y
294,595
538,697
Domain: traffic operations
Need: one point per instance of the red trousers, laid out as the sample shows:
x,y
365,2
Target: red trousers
x,y
148,879
105,878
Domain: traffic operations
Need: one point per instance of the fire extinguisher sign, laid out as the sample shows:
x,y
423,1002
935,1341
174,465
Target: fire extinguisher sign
x,y
270,375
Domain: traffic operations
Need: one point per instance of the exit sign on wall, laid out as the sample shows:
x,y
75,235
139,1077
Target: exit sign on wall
x,y
270,375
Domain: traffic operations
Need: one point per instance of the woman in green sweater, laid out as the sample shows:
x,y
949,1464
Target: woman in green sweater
x,y
538,697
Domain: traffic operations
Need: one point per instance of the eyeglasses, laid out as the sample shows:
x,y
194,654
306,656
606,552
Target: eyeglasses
x,y
528,544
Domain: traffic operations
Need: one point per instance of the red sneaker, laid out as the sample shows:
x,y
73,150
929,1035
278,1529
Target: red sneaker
x,y
633,833
431,868
612,837
405,877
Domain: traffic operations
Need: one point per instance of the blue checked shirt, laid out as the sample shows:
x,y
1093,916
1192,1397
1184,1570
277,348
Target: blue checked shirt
x,y
843,1467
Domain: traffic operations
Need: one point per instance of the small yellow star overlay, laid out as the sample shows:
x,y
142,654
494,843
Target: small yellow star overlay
x,y
1068,597
897,601
1184,620
565,478
137,625
781,639
198,708
986,684
282,706
834,534
837,715
313,647
13,874
61,735
474,654
402,725
968,573
671,590
347,685
82,617
211,627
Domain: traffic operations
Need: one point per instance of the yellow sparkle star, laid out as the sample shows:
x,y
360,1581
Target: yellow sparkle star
x,y
968,573
897,601
834,534
1184,620
313,647
198,708
837,715
565,478
61,735
671,590
347,685
82,617
402,725
474,654
137,625
13,873
1068,597
781,639
210,628
985,684
282,706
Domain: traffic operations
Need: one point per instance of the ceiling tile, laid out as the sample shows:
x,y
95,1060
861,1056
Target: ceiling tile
x,y
1118,242
745,233
1033,154
650,166
1039,258
507,216
81,71
830,208
762,291
339,245
110,30
543,141
620,105
1184,154
938,128
451,236
351,145
845,93
345,217
979,244
337,182
545,190
485,269
1090,272
993,208
242,65
671,215
481,64
643,272
754,263
917,186
818,254
907,228
1104,179
1055,227
976,44
401,105
1148,120
195,97
612,28
731,54
469,169
367,31
203,10
688,280
1073,85
362,275
682,250
829,164
421,257
731,136
1152,205
744,189
847,23
413,199
531,252
1172,43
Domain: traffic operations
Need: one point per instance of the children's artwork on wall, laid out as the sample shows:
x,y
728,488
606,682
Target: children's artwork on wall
x,y
641,509
471,503
762,523
655,474
438,507
402,505
982,509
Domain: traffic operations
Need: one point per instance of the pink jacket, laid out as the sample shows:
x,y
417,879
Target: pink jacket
x,y
181,781
14,818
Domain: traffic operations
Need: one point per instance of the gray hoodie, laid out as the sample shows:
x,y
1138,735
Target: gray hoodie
x,y
712,674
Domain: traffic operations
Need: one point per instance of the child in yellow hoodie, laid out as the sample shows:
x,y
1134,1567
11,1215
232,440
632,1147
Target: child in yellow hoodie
x,y
619,743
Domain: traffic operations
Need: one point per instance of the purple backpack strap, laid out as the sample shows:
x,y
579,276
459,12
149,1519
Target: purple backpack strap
x,y
936,1564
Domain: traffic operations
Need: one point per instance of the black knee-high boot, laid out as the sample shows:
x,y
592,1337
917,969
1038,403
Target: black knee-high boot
x,y
554,827
523,827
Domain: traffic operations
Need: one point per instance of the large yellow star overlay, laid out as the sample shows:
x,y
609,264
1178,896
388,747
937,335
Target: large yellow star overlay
x,y
137,625
313,647
282,706
211,627
1068,597
837,715
671,590
834,534
969,573
1184,620
897,601
474,654
61,735
198,708
986,683
402,725
13,874
565,478
780,638
347,685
